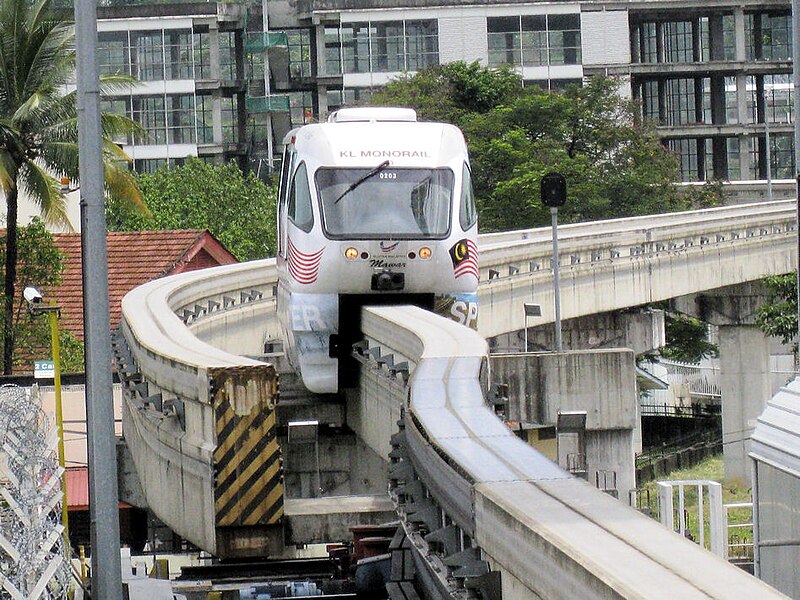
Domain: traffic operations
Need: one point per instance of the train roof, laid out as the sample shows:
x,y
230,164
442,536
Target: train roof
x,y
366,137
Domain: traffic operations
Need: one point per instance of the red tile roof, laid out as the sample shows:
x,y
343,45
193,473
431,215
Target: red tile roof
x,y
134,258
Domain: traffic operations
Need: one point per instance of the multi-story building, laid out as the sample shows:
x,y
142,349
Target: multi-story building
x,y
228,80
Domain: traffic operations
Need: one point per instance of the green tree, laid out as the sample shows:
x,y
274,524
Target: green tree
x,y
38,128
40,264
448,93
614,166
778,317
239,210
687,339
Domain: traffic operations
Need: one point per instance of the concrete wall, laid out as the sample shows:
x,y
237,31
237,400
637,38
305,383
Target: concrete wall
x,y
602,383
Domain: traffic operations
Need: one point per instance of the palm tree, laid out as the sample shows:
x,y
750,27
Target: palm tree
x,y
39,128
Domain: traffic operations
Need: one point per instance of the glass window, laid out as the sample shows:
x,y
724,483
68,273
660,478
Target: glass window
x,y
534,40
147,55
301,108
355,47
678,42
679,97
178,53
205,119
299,41
564,38
648,45
180,119
230,121
396,203
299,208
503,37
333,51
227,56
422,44
382,46
113,53
467,214
148,111
686,151
387,46
202,56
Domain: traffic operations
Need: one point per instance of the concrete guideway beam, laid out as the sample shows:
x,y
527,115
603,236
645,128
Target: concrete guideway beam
x,y
611,265
548,534
175,326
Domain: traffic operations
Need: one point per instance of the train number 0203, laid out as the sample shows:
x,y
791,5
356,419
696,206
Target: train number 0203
x,y
388,175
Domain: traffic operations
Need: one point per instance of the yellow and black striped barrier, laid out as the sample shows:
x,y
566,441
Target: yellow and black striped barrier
x,y
248,490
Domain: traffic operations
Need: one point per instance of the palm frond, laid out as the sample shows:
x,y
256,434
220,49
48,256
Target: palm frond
x,y
8,172
121,185
45,191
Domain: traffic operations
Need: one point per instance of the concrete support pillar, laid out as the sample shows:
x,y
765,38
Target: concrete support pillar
x,y
716,35
744,156
320,67
660,50
718,109
744,362
744,353
739,35
636,55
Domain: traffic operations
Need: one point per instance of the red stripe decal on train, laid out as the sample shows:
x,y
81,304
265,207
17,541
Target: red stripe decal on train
x,y
304,268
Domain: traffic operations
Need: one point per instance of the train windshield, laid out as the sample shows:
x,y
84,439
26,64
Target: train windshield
x,y
385,202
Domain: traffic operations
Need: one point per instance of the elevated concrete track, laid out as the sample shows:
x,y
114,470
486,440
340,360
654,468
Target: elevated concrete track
x,y
189,399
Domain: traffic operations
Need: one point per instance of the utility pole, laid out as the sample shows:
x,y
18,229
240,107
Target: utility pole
x,y
103,493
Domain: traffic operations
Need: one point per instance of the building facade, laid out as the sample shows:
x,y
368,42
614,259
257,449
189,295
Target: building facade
x,y
224,81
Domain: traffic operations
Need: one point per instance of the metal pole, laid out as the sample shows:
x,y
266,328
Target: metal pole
x,y
796,104
103,493
526,332
52,315
556,281
769,152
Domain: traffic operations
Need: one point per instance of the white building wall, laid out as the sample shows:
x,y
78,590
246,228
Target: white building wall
x,y
462,38
605,38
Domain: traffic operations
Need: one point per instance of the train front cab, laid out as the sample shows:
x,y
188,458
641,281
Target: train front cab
x,y
329,269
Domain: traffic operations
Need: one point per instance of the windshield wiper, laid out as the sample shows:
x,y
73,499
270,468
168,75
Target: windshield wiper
x,y
362,179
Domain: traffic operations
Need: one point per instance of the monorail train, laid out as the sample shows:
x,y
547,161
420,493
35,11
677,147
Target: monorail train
x,y
374,208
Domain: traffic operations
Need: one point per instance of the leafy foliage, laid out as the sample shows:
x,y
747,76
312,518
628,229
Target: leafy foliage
x,y
687,339
778,317
40,265
614,166
39,128
239,210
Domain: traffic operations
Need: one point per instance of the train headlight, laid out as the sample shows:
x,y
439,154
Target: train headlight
x,y
351,253
425,253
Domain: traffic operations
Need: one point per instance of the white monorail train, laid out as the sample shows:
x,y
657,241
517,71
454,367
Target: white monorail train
x,y
374,208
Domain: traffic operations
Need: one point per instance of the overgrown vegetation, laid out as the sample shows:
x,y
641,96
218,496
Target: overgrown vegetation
x,y
614,165
237,209
40,265
778,317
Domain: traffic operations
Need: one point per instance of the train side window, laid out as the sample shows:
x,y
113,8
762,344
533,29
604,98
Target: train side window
x,y
468,213
299,208
286,164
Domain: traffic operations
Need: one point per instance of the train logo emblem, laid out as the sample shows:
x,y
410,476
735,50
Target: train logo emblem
x,y
389,246
303,267
464,255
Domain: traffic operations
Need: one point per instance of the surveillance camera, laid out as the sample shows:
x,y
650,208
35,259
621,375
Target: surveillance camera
x,y
32,295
